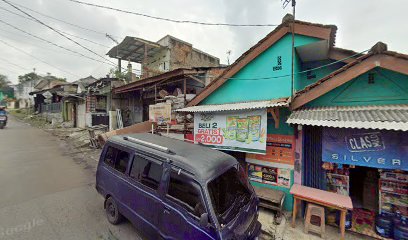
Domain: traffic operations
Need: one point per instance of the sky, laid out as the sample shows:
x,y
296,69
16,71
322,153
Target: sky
x,y
360,25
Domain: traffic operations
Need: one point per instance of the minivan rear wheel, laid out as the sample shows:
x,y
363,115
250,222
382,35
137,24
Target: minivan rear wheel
x,y
112,212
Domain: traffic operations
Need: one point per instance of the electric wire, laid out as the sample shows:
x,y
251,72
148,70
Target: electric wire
x,y
173,20
50,42
79,37
9,70
301,72
13,64
58,32
36,58
32,44
59,20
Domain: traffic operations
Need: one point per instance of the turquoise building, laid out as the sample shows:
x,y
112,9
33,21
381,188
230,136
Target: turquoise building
x,y
340,125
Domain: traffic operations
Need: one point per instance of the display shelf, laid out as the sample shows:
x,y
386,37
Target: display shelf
x,y
395,193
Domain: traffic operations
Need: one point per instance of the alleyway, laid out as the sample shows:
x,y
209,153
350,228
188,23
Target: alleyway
x,y
46,194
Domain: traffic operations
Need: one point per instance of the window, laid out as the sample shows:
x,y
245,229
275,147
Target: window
x,y
122,161
110,156
146,172
117,159
186,193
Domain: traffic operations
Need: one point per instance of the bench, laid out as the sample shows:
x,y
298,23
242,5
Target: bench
x,y
271,199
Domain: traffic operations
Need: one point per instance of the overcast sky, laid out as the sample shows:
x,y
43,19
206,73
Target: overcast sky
x,y
360,25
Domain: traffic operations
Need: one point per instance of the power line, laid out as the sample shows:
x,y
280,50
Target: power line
x,y
52,43
300,72
12,71
174,20
38,59
79,37
59,20
53,29
32,44
13,64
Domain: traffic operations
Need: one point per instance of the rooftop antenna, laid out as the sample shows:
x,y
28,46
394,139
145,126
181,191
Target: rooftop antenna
x,y
117,50
285,4
228,56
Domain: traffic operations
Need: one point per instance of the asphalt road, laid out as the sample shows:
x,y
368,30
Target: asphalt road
x,y
46,194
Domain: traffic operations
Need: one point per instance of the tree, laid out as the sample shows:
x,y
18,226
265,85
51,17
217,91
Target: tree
x,y
4,82
32,76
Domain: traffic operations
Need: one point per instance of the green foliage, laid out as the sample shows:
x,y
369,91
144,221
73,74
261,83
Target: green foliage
x,y
32,76
118,74
4,82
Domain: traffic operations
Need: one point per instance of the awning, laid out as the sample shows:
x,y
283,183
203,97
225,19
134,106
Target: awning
x,y
388,117
236,106
133,49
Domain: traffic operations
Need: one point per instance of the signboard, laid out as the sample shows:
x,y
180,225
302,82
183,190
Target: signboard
x,y
243,131
160,113
279,149
371,148
269,175
47,94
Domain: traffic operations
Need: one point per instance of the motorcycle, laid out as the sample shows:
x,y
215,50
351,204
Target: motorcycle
x,y
3,121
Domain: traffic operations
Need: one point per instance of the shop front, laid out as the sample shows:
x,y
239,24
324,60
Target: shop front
x,y
256,134
370,166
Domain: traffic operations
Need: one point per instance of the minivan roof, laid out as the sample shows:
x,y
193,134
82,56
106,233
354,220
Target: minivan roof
x,y
204,162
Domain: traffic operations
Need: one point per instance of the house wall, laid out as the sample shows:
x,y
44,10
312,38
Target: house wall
x,y
276,86
183,55
311,77
388,88
81,111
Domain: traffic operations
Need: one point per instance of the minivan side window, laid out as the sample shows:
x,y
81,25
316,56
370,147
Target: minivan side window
x,y
110,156
117,159
146,172
122,160
186,193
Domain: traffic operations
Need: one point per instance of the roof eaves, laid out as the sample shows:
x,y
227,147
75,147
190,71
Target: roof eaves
x,y
285,24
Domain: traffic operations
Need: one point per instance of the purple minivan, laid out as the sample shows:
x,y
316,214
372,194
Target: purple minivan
x,y
170,189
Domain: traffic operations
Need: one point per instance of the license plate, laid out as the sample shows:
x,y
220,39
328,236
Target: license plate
x,y
2,118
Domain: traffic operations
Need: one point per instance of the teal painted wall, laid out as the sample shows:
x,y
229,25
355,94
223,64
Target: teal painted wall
x,y
284,128
239,90
307,78
388,88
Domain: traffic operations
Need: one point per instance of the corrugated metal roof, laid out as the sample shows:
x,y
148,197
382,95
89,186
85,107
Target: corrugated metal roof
x,y
236,106
388,117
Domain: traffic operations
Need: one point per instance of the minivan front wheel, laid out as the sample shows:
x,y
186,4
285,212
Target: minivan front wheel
x,y
112,212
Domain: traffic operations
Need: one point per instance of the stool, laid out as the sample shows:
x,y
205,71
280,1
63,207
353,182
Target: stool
x,y
315,220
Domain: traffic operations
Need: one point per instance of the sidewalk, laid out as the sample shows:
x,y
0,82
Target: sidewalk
x,y
284,231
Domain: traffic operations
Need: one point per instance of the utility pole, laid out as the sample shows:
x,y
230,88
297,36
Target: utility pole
x,y
117,51
228,56
285,3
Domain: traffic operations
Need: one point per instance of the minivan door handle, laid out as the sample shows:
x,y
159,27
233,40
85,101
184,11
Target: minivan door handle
x,y
166,210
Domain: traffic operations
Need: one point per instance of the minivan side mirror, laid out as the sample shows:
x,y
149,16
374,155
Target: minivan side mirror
x,y
204,221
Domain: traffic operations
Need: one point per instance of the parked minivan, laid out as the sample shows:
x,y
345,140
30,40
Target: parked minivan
x,y
170,189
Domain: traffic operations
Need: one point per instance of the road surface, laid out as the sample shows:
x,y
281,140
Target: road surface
x,y
46,194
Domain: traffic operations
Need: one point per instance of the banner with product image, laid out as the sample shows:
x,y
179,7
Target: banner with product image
x,y
243,131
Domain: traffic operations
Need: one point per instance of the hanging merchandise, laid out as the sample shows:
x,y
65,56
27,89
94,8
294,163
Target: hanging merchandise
x,y
394,193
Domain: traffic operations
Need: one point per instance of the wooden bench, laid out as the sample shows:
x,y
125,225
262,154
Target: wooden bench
x,y
271,199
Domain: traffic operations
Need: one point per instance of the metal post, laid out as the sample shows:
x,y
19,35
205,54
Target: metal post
x,y
293,48
185,103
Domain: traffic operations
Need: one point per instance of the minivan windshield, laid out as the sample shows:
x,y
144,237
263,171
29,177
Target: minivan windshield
x,y
229,193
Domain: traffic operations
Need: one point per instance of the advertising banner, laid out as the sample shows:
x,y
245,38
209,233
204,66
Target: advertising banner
x,y
160,113
269,175
243,131
371,148
279,149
